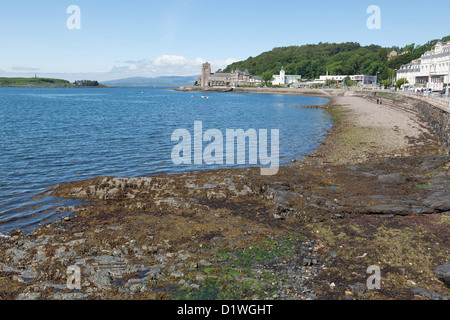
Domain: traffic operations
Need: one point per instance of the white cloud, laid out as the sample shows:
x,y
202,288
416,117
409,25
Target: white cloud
x,y
24,69
170,60
171,65
164,65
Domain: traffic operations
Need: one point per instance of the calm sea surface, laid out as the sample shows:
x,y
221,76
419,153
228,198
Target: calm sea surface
x,y
52,136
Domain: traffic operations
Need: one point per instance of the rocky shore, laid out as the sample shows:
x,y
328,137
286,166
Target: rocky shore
x,y
376,193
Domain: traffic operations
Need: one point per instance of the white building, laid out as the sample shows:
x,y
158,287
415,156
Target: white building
x,y
283,79
361,79
431,71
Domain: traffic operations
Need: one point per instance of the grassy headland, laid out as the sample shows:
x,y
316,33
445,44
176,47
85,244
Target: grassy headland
x,y
46,83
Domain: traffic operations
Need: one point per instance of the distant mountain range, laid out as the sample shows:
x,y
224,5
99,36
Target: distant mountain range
x,y
167,81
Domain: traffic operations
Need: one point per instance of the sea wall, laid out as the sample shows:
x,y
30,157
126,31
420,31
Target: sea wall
x,y
437,117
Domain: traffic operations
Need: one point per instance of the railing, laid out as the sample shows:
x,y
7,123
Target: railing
x,y
443,102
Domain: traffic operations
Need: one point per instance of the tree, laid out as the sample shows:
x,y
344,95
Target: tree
x,y
349,82
330,82
400,82
267,77
314,60
86,83
387,83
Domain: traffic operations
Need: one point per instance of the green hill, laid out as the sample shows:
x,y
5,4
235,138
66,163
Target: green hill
x,y
314,60
33,82
46,82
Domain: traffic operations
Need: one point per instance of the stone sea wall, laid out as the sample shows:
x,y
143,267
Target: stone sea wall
x,y
438,118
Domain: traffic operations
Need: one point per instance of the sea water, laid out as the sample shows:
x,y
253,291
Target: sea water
x,y
50,136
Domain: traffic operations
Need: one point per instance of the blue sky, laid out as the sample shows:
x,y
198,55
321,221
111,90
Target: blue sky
x,y
151,38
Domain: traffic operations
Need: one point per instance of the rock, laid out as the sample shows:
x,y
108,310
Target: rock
x,y
283,202
29,296
161,258
74,243
70,296
200,277
26,245
443,273
441,205
17,254
29,274
332,253
358,287
386,209
392,178
8,268
154,273
44,285
136,286
183,256
102,280
4,236
64,254
204,263
193,286
117,253
430,294
177,274
411,283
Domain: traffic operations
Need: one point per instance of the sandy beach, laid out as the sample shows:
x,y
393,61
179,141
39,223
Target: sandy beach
x,y
376,131
376,192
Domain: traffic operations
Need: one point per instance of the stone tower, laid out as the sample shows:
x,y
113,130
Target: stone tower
x,y
282,76
206,72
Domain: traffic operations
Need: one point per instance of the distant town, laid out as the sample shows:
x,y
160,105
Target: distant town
x,y
431,73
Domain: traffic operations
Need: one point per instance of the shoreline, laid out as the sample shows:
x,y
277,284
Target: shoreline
x,y
284,91
175,236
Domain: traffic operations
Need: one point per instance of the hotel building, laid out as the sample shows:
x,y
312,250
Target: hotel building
x,y
431,71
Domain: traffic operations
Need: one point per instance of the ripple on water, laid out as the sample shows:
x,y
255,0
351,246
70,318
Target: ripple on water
x,y
53,136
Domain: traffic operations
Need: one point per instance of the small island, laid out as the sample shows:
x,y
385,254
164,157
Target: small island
x,y
48,83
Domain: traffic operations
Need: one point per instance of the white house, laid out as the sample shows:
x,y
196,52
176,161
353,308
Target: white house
x,y
285,79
